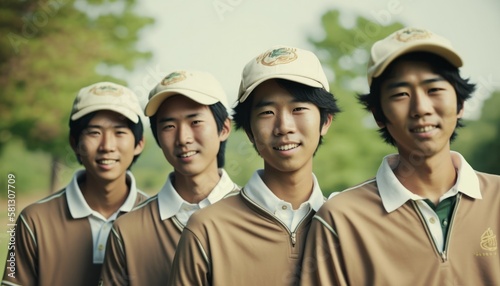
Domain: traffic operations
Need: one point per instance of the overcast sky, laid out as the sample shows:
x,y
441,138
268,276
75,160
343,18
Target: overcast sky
x,y
221,36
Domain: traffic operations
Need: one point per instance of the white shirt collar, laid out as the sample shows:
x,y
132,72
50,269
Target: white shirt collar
x,y
257,190
394,194
170,202
78,206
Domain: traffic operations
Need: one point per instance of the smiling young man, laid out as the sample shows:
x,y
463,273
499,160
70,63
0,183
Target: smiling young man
x,y
427,218
61,239
190,123
257,236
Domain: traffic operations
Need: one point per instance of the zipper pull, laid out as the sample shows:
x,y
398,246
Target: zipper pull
x,y
443,255
293,237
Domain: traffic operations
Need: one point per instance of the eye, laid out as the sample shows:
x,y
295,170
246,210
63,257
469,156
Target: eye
x,y
400,94
196,122
121,131
167,127
92,132
266,112
435,89
296,109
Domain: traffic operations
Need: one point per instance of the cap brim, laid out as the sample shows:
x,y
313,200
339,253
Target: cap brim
x,y
447,53
123,111
157,99
294,78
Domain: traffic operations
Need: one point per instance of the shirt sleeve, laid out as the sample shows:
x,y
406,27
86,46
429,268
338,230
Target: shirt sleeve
x,y
322,262
22,254
114,269
191,265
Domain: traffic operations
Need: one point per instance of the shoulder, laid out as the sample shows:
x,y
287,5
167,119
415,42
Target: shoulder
x,y
46,205
361,190
352,198
139,213
489,183
220,211
141,197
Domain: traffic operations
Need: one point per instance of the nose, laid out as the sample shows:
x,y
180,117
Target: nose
x,y
421,104
184,135
284,124
108,142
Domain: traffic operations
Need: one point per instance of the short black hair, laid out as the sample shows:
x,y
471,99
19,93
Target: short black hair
x,y
463,88
76,128
220,114
324,100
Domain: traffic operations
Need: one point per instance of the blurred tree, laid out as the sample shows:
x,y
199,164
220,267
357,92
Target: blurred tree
x,y
49,50
479,141
353,149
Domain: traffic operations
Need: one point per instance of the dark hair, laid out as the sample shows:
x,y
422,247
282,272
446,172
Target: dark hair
x,y
220,114
463,89
76,128
324,100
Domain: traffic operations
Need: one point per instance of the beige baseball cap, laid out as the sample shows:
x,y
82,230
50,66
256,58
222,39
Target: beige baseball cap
x,y
106,96
282,62
199,86
407,40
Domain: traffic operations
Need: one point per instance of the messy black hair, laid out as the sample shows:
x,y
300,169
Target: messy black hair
x,y
220,114
324,100
463,88
76,128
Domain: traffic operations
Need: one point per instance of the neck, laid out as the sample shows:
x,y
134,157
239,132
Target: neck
x,y
104,197
293,187
429,178
196,188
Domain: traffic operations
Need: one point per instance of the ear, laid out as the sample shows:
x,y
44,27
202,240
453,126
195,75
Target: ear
x,y
226,130
140,146
380,124
250,136
326,124
74,145
461,111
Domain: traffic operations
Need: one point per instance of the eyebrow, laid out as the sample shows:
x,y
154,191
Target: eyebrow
x,y
404,83
167,119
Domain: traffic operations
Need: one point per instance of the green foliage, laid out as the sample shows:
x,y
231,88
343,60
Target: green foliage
x,y
479,141
352,149
50,50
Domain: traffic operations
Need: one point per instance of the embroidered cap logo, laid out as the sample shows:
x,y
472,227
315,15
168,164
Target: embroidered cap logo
x,y
173,78
278,57
412,34
106,90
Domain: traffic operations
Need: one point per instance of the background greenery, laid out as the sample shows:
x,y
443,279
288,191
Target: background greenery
x,y
50,49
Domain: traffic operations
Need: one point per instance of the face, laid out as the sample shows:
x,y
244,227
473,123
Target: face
x,y
188,135
285,132
107,146
421,109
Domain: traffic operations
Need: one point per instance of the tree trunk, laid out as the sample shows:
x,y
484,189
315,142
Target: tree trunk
x,y
54,173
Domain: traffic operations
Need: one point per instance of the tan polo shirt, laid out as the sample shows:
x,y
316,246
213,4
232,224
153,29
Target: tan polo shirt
x,y
375,234
54,243
241,241
142,244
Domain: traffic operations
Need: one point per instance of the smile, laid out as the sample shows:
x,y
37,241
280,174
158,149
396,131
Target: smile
x,y
187,154
106,161
286,147
424,129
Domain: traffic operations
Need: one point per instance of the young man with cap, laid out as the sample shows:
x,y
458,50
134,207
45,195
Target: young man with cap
x,y
191,124
427,218
60,240
257,236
